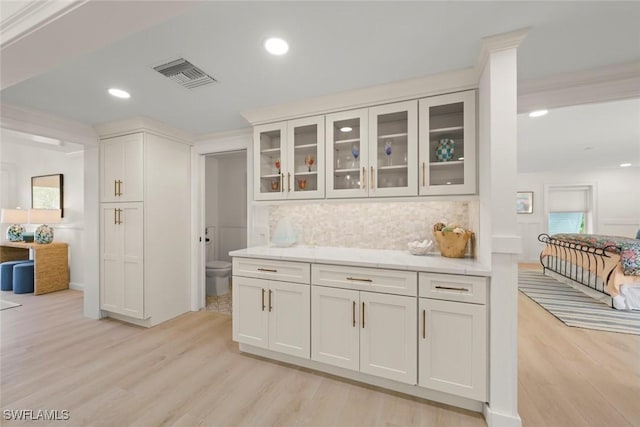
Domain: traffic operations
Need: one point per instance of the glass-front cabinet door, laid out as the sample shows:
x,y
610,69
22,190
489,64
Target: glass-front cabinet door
x,y
270,161
305,158
289,160
347,153
393,149
448,144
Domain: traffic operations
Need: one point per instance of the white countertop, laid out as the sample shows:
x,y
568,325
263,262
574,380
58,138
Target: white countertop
x,y
378,258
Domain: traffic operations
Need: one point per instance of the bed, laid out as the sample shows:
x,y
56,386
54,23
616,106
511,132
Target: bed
x,y
608,265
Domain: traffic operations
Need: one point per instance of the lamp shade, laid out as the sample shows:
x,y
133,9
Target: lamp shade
x,y
14,216
45,216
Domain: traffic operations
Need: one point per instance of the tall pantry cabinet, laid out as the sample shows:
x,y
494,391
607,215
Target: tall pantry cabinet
x,y
144,225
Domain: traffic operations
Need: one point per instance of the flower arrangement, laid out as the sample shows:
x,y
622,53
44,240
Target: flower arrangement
x,y
451,239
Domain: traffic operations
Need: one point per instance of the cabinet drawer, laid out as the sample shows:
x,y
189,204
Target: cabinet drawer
x,y
453,287
285,271
365,279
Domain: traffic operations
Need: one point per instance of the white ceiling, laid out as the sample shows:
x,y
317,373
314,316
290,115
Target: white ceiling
x,y
335,46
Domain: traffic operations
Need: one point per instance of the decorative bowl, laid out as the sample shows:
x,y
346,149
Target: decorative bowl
x,y
419,248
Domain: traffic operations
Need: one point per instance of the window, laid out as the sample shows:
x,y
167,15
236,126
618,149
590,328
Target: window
x,y
566,222
569,209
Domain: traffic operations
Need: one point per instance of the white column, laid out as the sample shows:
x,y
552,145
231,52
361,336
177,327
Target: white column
x,y
501,243
91,244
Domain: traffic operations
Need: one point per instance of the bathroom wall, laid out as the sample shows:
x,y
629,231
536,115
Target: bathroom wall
x,y
19,162
226,206
374,225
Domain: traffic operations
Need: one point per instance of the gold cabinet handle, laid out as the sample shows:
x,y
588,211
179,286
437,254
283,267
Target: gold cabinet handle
x,y
270,306
115,216
119,216
447,288
288,181
263,306
424,173
424,324
373,187
363,180
357,279
363,315
354,314
282,183
115,187
119,188
269,270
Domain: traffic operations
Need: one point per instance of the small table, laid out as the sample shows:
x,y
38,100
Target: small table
x,y
50,263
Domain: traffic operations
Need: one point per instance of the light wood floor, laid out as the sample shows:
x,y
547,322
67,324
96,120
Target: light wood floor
x,y
188,372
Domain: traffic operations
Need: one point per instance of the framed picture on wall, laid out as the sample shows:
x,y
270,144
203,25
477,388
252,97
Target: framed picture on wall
x,y
524,202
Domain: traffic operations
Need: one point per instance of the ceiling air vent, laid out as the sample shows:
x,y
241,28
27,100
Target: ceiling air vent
x,y
185,73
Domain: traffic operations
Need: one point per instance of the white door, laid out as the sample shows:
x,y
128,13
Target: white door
x,y
388,345
121,259
448,144
270,161
335,326
347,135
121,160
305,158
453,348
289,318
130,223
250,311
393,149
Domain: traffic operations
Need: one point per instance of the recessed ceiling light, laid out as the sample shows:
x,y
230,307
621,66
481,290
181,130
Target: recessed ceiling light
x,y
625,165
346,129
538,113
119,93
448,182
276,46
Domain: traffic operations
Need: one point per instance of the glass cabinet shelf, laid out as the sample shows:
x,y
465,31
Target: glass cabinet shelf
x,y
346,141
393,135
453,129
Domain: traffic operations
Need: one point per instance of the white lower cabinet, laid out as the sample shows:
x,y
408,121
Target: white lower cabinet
x,y
453,345
366,331
121,249
271,314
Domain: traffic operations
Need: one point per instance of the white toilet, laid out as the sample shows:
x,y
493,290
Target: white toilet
x,y
218,272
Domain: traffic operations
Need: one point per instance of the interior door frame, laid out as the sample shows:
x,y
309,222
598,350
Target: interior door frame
x,y
215,144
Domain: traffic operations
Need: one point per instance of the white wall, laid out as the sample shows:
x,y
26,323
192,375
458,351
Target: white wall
x,y
21,161
617,203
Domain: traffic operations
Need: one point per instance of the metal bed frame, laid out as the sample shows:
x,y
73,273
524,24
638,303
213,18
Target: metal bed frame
x,y
568,266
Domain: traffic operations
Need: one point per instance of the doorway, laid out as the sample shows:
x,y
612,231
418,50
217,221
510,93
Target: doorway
x,y
225,219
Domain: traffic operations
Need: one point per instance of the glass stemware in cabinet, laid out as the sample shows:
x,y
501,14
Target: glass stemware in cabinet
x,y
388,151
355,151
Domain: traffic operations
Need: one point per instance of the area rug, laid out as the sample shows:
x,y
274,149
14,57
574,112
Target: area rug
x,y
573,307
8,304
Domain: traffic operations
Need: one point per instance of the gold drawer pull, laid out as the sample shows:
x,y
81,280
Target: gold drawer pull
x,y
363,315
424,174
270,304
356,279
263,306
363,180
269,270
447,288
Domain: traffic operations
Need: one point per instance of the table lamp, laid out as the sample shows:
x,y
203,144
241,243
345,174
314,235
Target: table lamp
x,y
44,233
15,217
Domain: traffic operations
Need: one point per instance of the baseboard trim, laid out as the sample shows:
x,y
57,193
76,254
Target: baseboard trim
x,y
76,286
412,390
500,419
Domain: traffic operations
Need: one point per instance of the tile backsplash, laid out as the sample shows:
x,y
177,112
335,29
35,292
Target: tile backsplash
x,y
370,225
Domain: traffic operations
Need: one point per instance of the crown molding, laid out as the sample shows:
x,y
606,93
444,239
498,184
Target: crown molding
x,y
32,16
142,124
420,87
225,135
611,83
498,42
36,122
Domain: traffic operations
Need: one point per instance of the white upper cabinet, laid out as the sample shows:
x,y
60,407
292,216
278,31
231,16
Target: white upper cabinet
x,y
122,168
372,152
448,144
289,160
